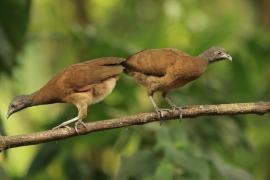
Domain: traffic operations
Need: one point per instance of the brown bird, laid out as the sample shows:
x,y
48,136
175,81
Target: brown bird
x,y
81,84
166,69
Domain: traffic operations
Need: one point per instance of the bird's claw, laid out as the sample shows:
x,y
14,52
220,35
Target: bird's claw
x,y
56,127
65,124
180,110
160,113
62,126
69,128
78,123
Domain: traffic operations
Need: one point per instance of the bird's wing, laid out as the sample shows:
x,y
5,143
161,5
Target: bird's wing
x,y
154,62
105,61
79,77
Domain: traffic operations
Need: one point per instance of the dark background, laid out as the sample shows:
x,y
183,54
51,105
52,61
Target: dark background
x,y
39,38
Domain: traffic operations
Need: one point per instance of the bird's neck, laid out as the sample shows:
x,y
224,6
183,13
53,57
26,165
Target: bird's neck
x,y
41,97
202,58
38,98
206,57
31,99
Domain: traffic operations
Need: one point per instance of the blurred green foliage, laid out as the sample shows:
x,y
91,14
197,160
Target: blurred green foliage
x,y
14,17
45,36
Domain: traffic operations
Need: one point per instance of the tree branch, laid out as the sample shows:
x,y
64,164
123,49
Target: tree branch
x,y
259,108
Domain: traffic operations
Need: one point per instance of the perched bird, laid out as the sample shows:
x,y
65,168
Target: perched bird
x,y
81,84
166,69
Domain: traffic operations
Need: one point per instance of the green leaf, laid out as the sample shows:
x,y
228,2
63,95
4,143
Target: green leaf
x,y
3,175
139,165
45,155
229,171
165,170
196,166
14,17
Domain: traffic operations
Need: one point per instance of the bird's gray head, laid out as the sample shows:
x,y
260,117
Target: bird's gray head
x,y
214,54
18,103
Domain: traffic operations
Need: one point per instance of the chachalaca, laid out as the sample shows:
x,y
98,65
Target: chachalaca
x,y
166,69
81,84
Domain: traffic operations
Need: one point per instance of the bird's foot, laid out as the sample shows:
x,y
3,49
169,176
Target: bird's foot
x,y
160,113
78,123
69,128
57,127
180,110
174,107
61,126
64,124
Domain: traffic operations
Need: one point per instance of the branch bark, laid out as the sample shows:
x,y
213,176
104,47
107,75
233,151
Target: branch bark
x,y
258,108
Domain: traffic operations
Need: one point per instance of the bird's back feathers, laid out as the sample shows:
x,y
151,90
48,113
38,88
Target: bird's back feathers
x,y
78,78
154,61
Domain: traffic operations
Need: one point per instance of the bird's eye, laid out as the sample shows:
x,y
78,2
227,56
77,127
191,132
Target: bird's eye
x,y
219,52
13,106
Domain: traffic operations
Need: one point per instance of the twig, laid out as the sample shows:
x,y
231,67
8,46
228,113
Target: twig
x,y
259,108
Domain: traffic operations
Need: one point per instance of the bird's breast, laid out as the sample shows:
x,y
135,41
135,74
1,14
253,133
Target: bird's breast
x,y
101,90
185,72
96,93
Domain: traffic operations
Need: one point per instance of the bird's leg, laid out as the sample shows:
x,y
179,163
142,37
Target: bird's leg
x,y
154,84
82,108
169,101
64,124
157,109
79,122
174,107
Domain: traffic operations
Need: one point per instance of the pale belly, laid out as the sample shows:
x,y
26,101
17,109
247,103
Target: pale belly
x,y
96,94
103,90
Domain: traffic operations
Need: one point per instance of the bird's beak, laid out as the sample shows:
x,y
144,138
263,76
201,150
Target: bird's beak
x,y
227,56
9,113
